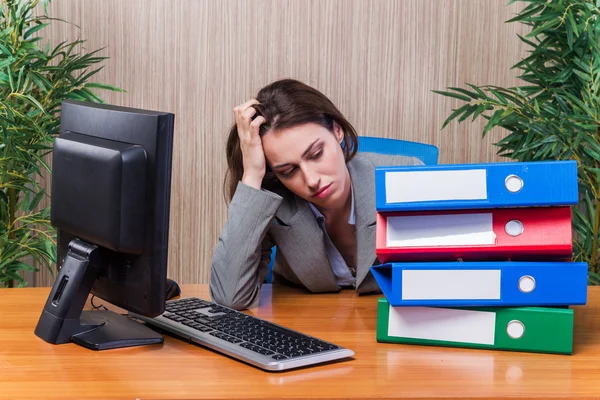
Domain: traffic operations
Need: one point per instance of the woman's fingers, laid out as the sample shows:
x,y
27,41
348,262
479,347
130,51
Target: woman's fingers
x,y
248,128
238,111
247,114
255,125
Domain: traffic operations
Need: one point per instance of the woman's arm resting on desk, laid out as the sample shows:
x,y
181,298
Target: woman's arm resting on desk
x,y
241,258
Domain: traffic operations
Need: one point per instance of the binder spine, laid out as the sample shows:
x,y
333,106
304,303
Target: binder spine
x,y
528,329
541,233
491,185
480,284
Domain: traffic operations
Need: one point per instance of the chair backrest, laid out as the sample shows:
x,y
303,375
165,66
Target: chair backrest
x,y
427,153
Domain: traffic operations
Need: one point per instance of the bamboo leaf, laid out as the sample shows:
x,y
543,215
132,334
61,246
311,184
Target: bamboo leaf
x,y
481,94
509,94
468,112
19,77
36,200
480,108
41,82
582,106
572,23
5,50
528,42
10,80
454,95
40,160
31,100
570,36
525,13
584,76
95,85
85,77
33,30
499,96
549,24
492,121
456,113
550,139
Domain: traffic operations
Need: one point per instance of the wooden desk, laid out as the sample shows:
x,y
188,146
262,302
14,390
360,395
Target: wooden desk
x,y
31,368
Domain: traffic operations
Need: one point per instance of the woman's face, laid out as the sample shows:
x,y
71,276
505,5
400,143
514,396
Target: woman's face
x,y
309,161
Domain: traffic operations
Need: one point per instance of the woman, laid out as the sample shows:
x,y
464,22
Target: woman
x,y
295,181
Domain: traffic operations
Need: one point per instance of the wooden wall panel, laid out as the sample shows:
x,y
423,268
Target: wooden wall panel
x,y
377,60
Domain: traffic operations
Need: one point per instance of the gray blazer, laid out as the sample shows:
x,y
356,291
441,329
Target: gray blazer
x,y
259,219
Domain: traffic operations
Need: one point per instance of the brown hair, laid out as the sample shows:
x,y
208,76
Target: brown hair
x,y
285,104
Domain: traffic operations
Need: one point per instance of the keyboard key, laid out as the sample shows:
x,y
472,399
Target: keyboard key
x,y
250,346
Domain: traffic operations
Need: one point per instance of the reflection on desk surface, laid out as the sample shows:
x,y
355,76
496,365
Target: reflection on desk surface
x,y
482,372
313,374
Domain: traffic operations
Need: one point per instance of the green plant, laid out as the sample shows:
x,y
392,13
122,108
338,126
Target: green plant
x,y
555,114
33,83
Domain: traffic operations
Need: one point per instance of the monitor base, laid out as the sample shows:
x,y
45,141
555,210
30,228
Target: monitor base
x,y
114,331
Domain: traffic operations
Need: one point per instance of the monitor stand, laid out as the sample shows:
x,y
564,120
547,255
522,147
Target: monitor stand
x,y
63,319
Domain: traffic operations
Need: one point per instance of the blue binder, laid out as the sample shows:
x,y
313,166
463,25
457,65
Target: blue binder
x,y
464,186
485,283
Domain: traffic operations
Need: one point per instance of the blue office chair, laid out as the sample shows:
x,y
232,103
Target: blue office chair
x,y
427,153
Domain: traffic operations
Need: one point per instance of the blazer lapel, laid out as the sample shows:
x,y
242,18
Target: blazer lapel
x,y
362,174
302,243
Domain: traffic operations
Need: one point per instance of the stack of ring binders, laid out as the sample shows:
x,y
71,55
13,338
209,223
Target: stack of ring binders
x,y
478,255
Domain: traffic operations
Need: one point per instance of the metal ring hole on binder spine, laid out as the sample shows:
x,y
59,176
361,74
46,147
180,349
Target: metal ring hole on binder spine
x,y
515,329
514,227
526,284
513,183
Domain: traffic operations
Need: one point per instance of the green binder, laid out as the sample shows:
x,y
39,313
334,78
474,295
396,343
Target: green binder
x,y
529,329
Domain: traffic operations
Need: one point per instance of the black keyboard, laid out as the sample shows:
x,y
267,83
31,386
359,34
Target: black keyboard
x,y
247,338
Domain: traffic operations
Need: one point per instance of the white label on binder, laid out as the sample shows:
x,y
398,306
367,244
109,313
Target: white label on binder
x,y
451,325
440,230
451,284
409,186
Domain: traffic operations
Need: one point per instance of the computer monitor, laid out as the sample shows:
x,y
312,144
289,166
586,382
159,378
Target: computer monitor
x,y
111,181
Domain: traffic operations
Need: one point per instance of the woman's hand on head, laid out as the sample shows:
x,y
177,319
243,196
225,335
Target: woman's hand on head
x,y
250,143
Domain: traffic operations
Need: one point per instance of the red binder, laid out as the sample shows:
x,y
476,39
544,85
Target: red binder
x,y
491,234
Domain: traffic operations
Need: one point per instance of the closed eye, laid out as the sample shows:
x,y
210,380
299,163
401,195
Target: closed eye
x,y
316,155
288,172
